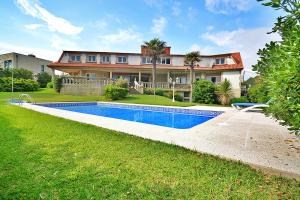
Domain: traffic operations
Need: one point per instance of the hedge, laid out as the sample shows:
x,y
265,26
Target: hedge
x,y
115,92
20,85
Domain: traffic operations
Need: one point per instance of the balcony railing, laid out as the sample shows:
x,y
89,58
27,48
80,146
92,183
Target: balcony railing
x,y
166,85
86,81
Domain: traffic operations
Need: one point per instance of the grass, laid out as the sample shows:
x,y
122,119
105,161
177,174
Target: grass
x,y
48,95
45,157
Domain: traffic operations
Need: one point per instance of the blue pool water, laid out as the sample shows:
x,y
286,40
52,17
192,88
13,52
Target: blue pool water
x,y
161,116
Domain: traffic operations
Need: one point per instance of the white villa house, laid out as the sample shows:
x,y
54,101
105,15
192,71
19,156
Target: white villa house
x,y
89,71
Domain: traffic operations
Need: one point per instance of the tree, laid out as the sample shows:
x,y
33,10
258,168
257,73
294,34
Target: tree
x,y
43,79
155,48
204,92
279,65
224,92
18,73
191,59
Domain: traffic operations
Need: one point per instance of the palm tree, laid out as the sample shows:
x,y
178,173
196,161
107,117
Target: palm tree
x,y
191,59
155,48
224,92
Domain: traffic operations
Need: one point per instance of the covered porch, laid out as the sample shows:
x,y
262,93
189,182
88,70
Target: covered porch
x,y
92,81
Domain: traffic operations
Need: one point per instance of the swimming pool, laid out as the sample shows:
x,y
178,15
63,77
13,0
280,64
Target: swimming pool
x,y
162,116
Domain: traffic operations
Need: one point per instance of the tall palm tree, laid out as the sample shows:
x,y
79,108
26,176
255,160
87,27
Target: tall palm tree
x,y
155,48
224,92
191,59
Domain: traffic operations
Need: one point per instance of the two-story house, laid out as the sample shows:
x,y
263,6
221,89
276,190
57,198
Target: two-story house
x,y
137,66
29,62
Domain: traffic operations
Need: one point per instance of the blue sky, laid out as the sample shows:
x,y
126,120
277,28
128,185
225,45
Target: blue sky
x,y
45,28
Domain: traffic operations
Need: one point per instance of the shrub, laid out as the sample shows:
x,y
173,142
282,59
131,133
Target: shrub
x,y
50,85
169,94
20,85
224,92
121,83
43,79
258,93
204,92
57,84
115,92
242,99
18,73
148,91
159,92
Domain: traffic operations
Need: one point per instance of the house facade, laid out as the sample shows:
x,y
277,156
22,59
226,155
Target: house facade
x,y
137,67
29,62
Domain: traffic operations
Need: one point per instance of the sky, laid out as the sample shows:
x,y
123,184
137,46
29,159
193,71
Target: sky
x,y
46,27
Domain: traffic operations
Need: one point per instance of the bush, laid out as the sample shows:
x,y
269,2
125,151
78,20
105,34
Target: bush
x,y
18,73
57,84
242,99
177,96
159,92
204,92
150,91
20,85
115,92
50,85
43,79
258,93
121,83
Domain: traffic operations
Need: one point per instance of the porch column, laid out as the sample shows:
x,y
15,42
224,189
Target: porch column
x,y
53,73
140,76
168,76
80,73
110,75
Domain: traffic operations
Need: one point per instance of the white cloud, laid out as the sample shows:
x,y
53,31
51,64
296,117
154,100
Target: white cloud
x,y
100,24
202,50
192,13
246,41
176,10
55,24
39,52
228,6
61,43
159,25
123,36
33,26
210,28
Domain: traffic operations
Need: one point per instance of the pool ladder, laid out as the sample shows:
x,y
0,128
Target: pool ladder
x,y
23,97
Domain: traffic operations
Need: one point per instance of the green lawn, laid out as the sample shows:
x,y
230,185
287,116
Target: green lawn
x,y
48,95
45,157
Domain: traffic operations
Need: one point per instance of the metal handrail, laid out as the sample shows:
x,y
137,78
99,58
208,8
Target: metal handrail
x,y
26,96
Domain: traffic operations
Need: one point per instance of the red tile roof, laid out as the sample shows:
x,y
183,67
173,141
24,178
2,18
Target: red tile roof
x,y
236,56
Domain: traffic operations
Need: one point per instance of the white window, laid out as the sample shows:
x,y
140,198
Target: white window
x,y
220,61
121,59
164,61
146,60
7,64
91,58
75,58
42,68
105,59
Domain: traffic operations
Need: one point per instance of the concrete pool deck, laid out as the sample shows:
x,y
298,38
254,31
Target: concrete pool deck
x,y
249,137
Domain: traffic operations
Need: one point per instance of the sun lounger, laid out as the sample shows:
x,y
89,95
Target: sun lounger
x,y
249,106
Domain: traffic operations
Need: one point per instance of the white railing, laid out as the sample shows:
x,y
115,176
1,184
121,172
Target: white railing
x,y
166,85
86,81
138,87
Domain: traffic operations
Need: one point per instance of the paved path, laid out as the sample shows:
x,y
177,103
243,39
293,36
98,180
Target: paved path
x,y
249,137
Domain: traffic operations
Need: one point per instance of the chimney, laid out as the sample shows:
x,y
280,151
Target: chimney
x,y
144,50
